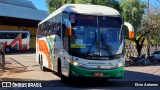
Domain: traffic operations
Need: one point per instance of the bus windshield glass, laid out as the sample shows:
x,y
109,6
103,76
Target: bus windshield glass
x,y
98,36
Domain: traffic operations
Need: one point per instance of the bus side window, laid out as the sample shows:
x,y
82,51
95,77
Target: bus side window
x,y
54,27
64,37
24,35
45,30
14,35
63,30
58,30
2,36
7,35
49,28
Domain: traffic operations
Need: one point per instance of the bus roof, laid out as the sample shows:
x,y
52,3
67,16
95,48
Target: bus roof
x,y
87,9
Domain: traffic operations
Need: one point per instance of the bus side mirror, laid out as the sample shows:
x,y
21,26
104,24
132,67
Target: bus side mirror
x,y
131,30
68,27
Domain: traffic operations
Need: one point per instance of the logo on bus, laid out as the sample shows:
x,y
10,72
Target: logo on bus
x,y
17,43
98,67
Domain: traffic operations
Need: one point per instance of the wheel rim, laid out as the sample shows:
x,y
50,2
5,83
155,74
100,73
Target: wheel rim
x,y
41,64
8,50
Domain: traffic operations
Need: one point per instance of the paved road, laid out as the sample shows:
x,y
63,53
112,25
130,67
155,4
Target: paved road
x,y
22,67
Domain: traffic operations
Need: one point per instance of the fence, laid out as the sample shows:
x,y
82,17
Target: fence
x,y
2,56
130,50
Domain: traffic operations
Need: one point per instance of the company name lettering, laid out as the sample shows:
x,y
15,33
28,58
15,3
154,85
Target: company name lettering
x,y
98,63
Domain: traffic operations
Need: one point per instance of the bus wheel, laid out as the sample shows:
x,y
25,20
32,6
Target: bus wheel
x,y
41,65
8,49
63,78
59,68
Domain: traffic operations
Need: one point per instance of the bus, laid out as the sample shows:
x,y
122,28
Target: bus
x,y
15,39
80,40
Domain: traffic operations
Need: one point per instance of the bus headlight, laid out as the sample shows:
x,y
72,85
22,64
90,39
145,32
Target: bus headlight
x,y
77,64
119,64
69,61
74,62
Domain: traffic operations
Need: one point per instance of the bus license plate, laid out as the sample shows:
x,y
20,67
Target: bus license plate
x,y
98,74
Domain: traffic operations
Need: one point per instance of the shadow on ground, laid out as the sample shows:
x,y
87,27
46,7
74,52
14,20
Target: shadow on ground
x,y
128,81
21,52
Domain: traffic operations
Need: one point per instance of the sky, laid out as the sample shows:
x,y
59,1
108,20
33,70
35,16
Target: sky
x,y
153,2
41,4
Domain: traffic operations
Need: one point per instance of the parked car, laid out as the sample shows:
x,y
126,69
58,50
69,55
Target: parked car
x,y
156,56
140,60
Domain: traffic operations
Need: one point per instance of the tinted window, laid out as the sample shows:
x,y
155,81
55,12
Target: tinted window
x,y
83,20
24,35
157,52
105,21
10,35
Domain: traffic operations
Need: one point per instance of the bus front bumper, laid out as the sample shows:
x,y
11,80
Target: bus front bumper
x,y
75,71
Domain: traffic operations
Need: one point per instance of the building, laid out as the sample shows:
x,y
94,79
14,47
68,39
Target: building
x,y
21,15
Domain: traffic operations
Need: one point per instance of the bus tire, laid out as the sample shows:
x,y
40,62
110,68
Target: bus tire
x,y
41,65
8,49
63,78
59,67
39,60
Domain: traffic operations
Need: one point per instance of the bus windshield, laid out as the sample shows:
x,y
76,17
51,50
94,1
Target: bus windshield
x,y
95,36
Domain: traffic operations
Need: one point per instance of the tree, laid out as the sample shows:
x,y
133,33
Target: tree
x,y
150,26
132,12
55,4
146,25
110,3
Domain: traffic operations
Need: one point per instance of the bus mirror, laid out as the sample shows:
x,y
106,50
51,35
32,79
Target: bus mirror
x,y
131,30
68,27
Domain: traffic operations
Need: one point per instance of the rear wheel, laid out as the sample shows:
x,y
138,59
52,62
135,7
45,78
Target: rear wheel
x,y
7,49
41,64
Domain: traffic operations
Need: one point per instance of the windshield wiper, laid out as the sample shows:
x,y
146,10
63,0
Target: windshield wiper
x,y
91,46
106,46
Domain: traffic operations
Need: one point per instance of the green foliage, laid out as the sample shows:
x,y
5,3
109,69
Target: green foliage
x,y
132,11
150,27
110,3
55,4
83,1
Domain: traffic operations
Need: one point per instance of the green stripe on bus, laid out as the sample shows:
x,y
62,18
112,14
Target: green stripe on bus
x,y
75,71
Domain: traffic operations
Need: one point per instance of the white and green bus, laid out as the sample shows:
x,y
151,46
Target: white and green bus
x,y
79,40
